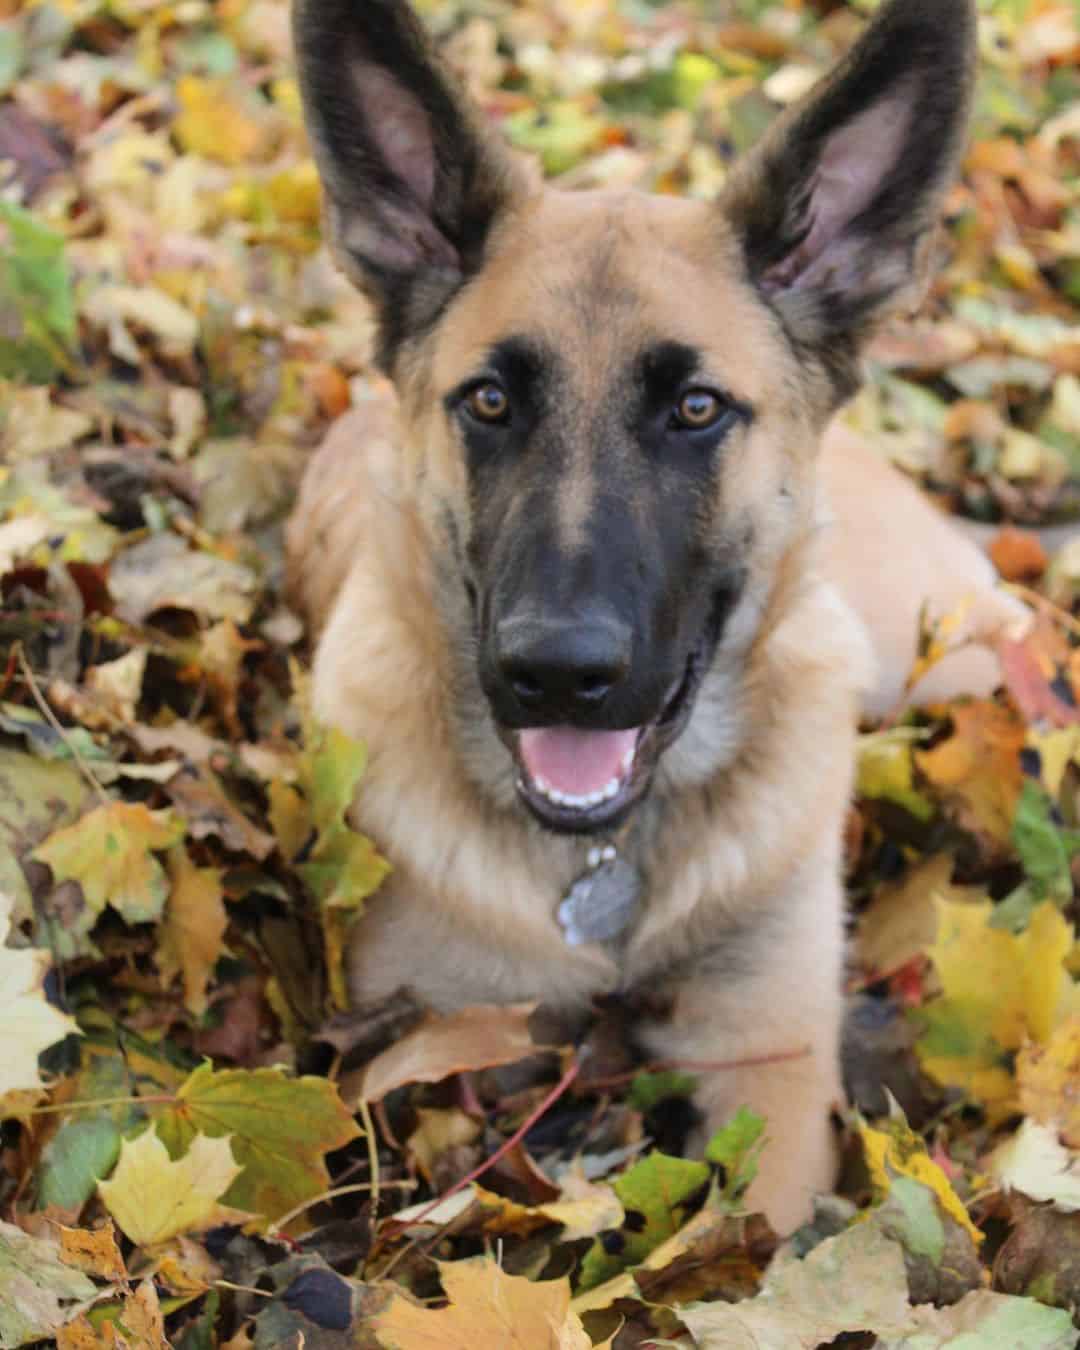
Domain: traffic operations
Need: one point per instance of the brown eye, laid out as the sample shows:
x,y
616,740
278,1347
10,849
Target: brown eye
x,y
698,409
487,402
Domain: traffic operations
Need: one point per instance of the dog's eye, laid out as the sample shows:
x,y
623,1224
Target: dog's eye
x,y
698,409
487,402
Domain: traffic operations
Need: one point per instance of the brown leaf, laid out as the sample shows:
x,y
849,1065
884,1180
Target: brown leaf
x,y
199,797
977,768
481,1037
1041,1256
193,928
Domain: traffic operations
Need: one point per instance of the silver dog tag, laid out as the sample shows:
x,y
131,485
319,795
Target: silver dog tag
x,y
600,904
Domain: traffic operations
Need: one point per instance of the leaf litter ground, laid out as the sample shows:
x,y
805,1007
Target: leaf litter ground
x,y
201,1147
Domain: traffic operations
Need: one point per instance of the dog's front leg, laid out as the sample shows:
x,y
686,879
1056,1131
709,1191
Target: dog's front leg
x,y
758,1019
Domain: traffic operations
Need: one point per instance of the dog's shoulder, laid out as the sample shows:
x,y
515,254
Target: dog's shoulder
x,y
349,484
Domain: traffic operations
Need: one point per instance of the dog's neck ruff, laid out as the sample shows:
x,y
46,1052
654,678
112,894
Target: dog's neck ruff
x,y
602,903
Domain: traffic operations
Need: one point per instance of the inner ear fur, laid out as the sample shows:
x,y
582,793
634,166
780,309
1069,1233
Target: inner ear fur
x,y
413,179
834,205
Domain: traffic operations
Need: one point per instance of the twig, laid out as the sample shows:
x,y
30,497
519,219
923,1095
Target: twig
x,y
373,1158
39,698
697,1066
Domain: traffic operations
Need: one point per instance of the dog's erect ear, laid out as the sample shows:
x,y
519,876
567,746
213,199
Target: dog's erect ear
x,y
832,206
413,180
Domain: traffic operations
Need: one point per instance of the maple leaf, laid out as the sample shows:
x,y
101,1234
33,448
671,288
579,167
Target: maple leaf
x,y
28,1022
154,1198
998,989
279,1127
109,852
489,1310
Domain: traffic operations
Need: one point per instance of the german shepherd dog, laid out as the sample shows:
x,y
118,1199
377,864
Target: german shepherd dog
x,y
569,588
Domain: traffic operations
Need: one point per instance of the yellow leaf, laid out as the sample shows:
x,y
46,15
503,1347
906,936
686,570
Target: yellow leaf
x,y
28,1022
896,1151
109,852
489,1310
94,1253
1049,1081
998,990
217,122
153,1198
194,926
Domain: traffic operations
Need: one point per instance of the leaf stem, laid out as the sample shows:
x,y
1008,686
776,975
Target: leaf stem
x,y
50,717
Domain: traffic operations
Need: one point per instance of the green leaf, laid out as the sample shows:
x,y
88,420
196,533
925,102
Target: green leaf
x,y
36,301
649,1089
654,1193
736,1148
280,1126
1041,846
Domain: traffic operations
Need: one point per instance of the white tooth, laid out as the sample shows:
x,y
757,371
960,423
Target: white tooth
x,y
610,790
628,760
594,798
572,799
593,857
553,794
609,853
541,785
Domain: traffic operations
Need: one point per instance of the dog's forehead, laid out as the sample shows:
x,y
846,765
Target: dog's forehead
x,y
600,277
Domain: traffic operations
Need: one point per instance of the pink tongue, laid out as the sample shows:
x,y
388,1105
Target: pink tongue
x,y
575,761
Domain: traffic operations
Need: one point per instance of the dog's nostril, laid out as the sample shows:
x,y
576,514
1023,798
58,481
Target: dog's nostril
x,y
594,688
527,689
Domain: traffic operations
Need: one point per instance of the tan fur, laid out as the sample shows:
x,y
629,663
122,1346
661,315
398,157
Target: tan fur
x,y
738,941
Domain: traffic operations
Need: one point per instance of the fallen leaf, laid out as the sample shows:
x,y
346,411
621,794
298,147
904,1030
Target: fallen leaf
x,y
901,920
279,1128
1037,1164
489,1310
654,1193
584,1208
896,1151
162,572
28,1022
854,1282
977,767
109,852
94,1253
1048,1077
475,1038
193,928
154,1198
119,683
998,989
39,1292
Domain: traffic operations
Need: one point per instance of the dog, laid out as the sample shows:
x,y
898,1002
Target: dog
x,y
576,586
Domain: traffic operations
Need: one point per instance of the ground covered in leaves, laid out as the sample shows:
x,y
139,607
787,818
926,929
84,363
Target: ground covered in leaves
x,y
198,1148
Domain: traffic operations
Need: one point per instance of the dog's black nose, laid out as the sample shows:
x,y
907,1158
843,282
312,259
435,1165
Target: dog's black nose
x,y
562,667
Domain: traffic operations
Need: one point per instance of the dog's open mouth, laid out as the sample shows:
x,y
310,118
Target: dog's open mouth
x,y
577,780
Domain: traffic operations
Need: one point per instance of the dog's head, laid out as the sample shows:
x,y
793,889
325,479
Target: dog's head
x,y
615,399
